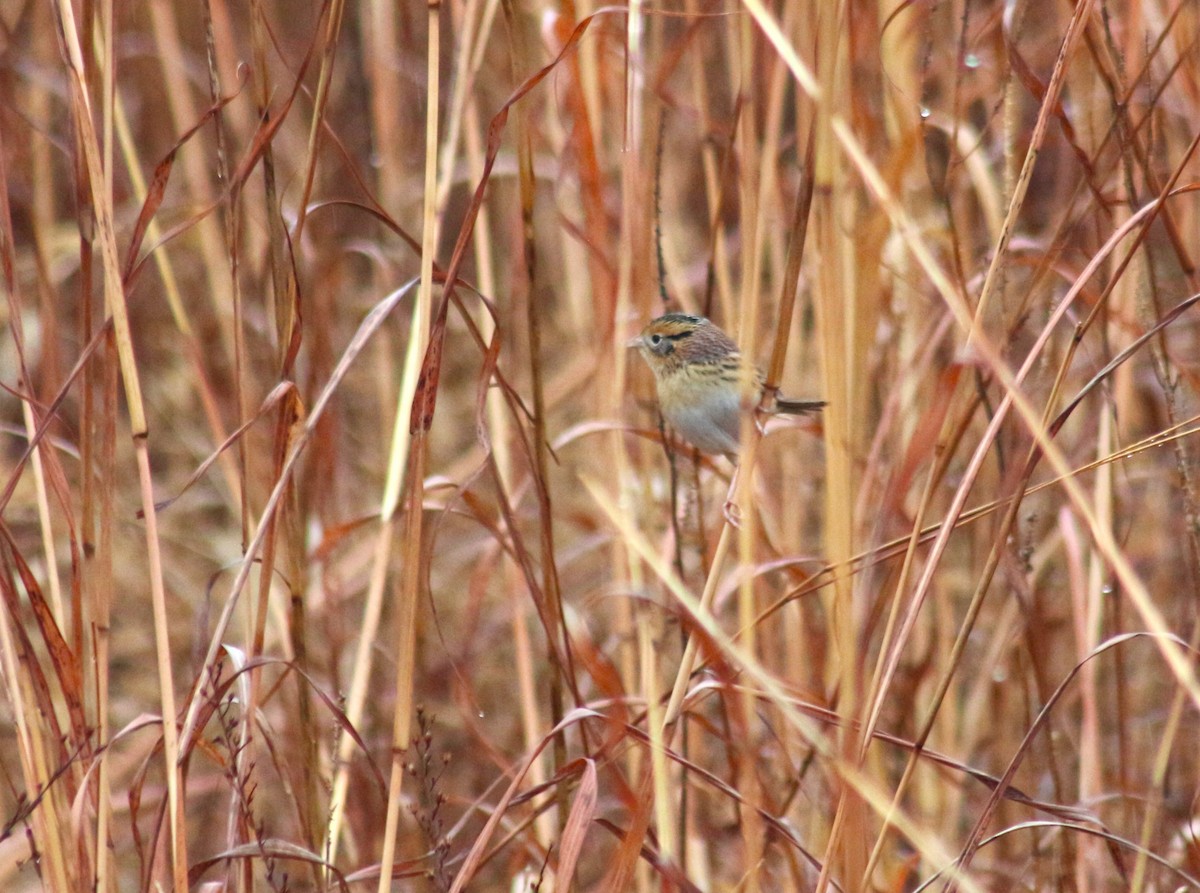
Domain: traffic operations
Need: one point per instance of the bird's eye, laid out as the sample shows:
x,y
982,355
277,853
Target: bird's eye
x,y
656,339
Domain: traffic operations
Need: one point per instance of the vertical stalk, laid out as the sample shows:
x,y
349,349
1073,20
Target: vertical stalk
x,y
413,570
114,297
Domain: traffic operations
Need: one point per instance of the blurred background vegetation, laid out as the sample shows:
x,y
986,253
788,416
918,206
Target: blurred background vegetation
x,y
408,566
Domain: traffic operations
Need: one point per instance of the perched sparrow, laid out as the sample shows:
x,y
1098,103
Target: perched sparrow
x,y
698,373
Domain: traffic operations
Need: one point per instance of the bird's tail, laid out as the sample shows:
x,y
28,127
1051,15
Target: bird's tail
x,y
797,407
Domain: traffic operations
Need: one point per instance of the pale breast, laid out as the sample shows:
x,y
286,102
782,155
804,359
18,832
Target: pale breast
x,y
707,418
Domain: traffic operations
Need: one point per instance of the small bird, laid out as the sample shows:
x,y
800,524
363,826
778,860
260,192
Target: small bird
x,y
698,373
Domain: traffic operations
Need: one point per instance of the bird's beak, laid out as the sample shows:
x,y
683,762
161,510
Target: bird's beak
x,y
636,341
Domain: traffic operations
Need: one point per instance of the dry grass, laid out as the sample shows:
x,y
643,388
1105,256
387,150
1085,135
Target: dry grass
x,y
406,563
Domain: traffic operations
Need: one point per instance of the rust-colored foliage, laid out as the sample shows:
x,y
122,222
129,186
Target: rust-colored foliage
x,y
269,501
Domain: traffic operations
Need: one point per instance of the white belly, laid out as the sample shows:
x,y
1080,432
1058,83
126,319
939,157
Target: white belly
x,y
711,423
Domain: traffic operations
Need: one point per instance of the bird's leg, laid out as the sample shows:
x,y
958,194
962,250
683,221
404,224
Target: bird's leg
x,y
732,513
760,422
